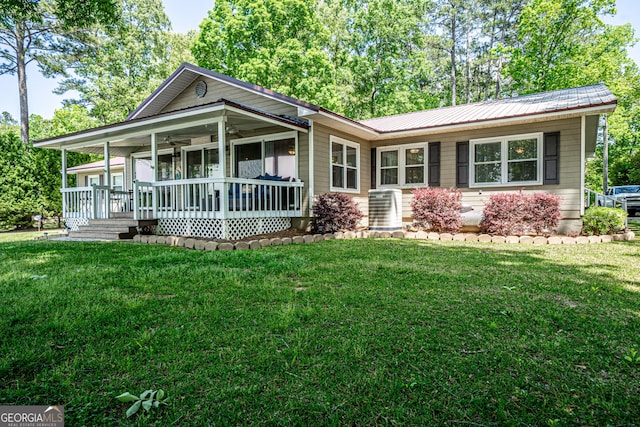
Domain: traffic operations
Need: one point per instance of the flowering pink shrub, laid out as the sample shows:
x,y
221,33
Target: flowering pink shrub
x,y
543,212
437,208
334,212
518,213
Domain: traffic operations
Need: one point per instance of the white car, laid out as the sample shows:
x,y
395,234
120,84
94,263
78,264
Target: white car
x,y
628,193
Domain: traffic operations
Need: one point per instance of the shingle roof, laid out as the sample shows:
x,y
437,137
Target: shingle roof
x,y
114,161
527,105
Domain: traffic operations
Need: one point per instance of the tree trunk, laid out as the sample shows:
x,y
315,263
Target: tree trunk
x,y
468,66
453,57
22,84
499,65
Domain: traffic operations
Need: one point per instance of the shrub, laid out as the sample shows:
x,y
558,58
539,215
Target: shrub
x,y
603,220
437,208
334,212
519,213
542,212
504,214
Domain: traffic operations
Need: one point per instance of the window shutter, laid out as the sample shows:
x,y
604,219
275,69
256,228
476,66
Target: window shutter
x,y
434,164
374,158
101,179
86,181
551,157
462,164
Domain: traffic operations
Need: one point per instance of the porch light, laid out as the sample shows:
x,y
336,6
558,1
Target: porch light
x,y
414,150
519,150
292,150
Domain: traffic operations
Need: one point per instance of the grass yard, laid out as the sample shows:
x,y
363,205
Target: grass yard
x,y
358,332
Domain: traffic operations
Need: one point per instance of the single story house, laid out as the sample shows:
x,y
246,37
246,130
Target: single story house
x,y
212,156
90,174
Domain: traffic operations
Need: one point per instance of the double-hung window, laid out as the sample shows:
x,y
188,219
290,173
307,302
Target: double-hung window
x,y
509,160
345,165
402,165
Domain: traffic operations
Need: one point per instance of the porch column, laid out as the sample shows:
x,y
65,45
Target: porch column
x,y
64,168
222,156
154,167
222,143
107,165
64,182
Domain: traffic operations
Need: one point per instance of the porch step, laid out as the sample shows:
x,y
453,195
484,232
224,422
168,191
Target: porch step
x,y
100,235
119,215
111,229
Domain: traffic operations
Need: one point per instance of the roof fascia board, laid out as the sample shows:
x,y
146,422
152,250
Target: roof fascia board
x,y
125,126
348,122
266,119
157,93
135,134
216,77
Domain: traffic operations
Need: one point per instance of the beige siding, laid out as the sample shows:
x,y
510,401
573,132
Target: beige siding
x,y
322,165
81,176
217,90
568,189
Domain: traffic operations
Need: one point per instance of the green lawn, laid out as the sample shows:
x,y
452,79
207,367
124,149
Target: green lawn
x,y
358,332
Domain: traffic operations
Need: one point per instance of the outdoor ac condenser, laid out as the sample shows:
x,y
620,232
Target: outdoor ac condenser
x,y
385,210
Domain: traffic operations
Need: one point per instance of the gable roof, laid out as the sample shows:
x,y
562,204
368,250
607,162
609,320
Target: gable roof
x,y
597,95
186,74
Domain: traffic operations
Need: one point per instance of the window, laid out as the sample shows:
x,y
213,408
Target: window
x,y
402,165
510,160
274,154
201,161
117,182
93,180
345,165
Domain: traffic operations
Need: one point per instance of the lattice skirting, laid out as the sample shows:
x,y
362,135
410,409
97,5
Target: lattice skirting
x,y
231,229
73,223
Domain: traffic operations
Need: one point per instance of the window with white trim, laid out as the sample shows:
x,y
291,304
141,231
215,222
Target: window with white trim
x,y
509,160
345,165
402,165
117,181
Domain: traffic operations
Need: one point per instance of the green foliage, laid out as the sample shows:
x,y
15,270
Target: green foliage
x,y
147,400
633,356
129,60
273,43
37,30
18,188
603,220
562,44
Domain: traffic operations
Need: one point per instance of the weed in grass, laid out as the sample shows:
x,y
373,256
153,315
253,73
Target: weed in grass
x,y
633,356
147,400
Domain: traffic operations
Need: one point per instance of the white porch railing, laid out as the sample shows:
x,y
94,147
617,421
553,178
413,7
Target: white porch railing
x,y
95,202
220,198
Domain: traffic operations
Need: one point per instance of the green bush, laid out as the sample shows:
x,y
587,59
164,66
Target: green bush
x,y
603,220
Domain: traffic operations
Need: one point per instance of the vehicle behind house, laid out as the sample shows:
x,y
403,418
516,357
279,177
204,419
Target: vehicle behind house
x,y
628,193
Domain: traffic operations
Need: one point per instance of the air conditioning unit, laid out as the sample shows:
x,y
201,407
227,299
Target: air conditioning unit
x,y
385,210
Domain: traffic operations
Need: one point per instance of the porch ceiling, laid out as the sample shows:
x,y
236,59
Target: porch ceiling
x,y
175,129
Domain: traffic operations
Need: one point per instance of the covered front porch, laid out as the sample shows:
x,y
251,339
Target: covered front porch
x,y
222,170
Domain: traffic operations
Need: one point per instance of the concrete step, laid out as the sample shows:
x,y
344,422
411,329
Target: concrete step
x,y
121,215
122,222
100,235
